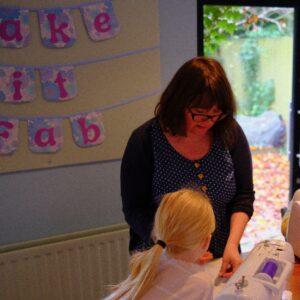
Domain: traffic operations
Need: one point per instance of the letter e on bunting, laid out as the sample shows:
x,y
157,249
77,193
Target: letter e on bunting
x,y
45,135
9,129
14,27
17,84
57,27
100,20
58,83
88,129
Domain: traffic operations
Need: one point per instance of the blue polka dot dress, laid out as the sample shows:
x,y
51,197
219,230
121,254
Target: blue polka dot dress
x,y
213,174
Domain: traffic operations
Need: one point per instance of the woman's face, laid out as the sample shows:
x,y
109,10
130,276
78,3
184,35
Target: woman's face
x,y
200,120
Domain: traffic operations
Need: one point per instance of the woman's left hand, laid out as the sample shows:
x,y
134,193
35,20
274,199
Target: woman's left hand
x,y
231,260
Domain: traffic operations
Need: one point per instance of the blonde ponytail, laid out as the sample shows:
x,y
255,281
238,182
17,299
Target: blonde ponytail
x,y
143,269
183,220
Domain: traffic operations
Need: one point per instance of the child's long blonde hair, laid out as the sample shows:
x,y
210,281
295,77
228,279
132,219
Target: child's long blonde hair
x,y
183,221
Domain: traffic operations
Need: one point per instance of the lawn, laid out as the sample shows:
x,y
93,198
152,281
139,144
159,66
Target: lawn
x,y
271,183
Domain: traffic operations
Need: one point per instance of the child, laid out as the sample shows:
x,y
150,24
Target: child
x,y
182,229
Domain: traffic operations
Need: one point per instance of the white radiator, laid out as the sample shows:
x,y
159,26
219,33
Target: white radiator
x,y
79,268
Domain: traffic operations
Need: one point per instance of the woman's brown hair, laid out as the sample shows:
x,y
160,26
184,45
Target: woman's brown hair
x,y
201,82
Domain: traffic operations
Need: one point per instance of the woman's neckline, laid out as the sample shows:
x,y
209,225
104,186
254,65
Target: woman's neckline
x,y
195,158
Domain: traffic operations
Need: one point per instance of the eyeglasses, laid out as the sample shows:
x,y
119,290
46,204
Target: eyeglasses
x,y
204,117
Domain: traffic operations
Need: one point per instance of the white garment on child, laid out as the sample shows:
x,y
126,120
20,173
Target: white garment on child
x,y
177,279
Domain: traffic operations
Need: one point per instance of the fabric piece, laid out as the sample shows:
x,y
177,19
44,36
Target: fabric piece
x,y
17,84
14,27
45,135
9,129
57,27
100,20
88,129
58,83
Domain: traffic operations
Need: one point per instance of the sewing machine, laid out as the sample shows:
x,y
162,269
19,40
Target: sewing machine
x,y
263,274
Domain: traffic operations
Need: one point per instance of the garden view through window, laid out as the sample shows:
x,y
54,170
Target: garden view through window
x,y
255,46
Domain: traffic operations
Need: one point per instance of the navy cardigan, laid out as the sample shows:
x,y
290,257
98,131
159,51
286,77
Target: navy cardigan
x,y
136,183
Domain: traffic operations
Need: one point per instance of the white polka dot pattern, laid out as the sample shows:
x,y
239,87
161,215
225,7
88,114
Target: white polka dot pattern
x,y
213,174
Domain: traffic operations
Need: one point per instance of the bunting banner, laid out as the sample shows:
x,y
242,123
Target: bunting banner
x,y
58,83
45,133
9,129
17,84
56,24
14,27
57,28
88,129
100,21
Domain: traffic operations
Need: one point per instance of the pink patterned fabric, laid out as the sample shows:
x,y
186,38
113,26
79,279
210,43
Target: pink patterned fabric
x,y
17,84
14,27
45,135
100,20
58,83
9,129
57,28
88,129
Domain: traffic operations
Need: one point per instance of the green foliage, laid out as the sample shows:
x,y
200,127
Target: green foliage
x,y
259,95
222,23
219,24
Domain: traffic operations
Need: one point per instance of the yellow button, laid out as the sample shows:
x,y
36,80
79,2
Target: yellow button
x,y
197,165
200,176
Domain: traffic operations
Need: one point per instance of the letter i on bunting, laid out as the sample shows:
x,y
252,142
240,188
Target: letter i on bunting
x,y
57,27
88,129
58,83
9,129
100,20
45,135
14,27
17,84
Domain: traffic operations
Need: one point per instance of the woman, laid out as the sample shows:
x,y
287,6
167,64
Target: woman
x,y
193,141
183,226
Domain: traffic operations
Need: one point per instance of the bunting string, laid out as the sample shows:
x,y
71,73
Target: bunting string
x,y
99,109
17,82
45,133
86,61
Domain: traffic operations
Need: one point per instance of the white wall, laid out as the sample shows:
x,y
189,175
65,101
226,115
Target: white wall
x,y
43,203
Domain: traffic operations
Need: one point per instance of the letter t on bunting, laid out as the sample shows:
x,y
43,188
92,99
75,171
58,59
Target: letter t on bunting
x,y
58,83
88,129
